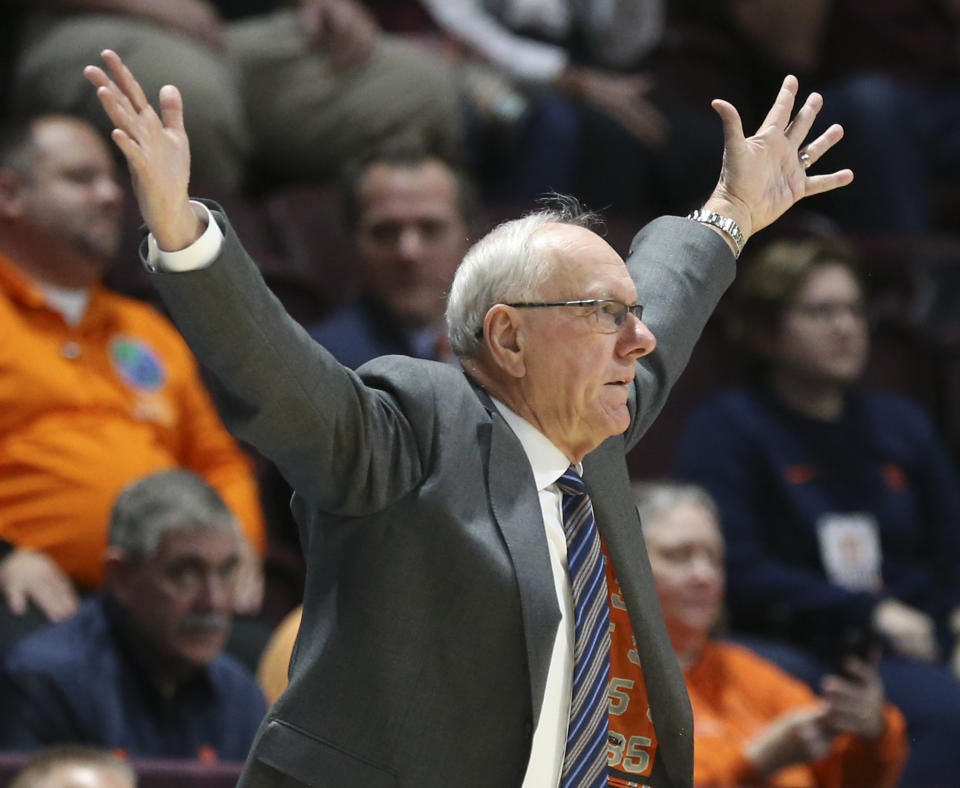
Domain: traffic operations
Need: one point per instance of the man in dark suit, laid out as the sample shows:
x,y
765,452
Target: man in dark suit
x,y
410,212
441,636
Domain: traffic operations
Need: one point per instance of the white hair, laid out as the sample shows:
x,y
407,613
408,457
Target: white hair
x,y
501,267
167,500
655,499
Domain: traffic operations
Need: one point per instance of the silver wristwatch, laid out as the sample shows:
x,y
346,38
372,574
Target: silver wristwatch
x,y
723,223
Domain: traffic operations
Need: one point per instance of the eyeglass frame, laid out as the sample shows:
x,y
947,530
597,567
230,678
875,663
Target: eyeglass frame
x,y
634,309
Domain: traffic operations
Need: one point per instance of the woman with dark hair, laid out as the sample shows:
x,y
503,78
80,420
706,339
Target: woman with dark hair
x,y
840,506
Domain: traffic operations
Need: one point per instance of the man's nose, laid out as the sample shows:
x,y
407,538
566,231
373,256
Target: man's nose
x,y
216,593
636,339
410,243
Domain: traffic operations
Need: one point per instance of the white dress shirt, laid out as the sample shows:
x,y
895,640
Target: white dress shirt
x,y
550,738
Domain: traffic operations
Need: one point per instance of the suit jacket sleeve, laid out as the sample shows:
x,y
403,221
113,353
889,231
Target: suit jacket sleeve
x,y
680,269
342,442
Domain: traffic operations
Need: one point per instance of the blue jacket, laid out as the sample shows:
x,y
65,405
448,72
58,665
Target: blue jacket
x,y
81,682
774,473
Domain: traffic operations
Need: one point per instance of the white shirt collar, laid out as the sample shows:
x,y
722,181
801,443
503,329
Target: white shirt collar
x,y
71,302
546,460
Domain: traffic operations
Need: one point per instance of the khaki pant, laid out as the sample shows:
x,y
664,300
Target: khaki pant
x,y
269,96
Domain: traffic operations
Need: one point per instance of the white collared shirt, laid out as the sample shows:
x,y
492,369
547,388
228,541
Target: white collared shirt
x,y
550,738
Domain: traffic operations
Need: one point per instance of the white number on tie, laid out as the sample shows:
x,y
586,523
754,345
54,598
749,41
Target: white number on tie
x,y
619,698
630,756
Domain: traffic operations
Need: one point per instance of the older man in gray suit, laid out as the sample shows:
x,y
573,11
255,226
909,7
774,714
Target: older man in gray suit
x,y
464,599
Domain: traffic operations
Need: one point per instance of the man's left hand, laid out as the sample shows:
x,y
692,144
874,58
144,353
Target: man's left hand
x,y
763,175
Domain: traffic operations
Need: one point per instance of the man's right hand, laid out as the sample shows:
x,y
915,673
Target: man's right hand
x,y
29,576
156,150
910,632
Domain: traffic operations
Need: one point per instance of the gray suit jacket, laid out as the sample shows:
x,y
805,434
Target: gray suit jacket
x,y
430,609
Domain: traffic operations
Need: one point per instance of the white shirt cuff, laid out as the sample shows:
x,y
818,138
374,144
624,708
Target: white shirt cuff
x,y
200,254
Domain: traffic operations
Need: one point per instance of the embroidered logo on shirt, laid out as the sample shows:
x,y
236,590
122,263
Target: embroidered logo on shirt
x,y
895,478
137,364
799,474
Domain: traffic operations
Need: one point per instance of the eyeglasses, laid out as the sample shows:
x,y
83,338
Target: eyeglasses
x,y
610,314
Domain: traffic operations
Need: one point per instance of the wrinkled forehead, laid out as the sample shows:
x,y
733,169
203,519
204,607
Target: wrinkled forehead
x,y
581,264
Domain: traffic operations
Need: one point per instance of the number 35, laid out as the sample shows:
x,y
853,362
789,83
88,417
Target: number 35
x,y
631,756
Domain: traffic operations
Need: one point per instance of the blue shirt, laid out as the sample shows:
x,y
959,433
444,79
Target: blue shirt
x,y
81,682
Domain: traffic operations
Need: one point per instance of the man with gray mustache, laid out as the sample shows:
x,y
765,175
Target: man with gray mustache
x,y
140,668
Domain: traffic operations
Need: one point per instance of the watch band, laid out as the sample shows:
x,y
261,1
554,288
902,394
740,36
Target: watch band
x,y
723,223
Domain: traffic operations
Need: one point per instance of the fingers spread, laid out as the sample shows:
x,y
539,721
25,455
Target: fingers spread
x,y
125,80
824,142
730,118
816,184
779,114
802,122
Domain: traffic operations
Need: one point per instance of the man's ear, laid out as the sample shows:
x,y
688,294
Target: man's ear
x,y
10,203
504,335
118,573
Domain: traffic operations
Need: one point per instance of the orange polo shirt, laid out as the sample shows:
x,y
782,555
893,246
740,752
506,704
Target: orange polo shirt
x,y
735,693
87,409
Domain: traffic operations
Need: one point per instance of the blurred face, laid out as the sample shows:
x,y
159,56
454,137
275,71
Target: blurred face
x,y
181,599
71,194
577,377
823,335
411,237
686,555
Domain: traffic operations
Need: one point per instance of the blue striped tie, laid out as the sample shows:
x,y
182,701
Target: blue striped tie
x,y
585,760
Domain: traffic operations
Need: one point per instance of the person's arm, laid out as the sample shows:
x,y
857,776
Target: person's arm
x,y
345,445
872,748
518,56
678,278
761,721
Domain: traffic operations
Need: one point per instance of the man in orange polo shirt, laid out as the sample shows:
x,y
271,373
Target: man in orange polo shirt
x,y
96,390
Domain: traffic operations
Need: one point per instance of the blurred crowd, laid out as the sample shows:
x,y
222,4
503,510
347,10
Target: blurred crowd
x,y
807,551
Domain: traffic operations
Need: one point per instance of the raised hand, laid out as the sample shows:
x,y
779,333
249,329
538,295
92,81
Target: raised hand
x,y
156,150
762,175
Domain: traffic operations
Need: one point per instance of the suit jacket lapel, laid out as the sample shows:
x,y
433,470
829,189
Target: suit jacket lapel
x,y
619,524
516,507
